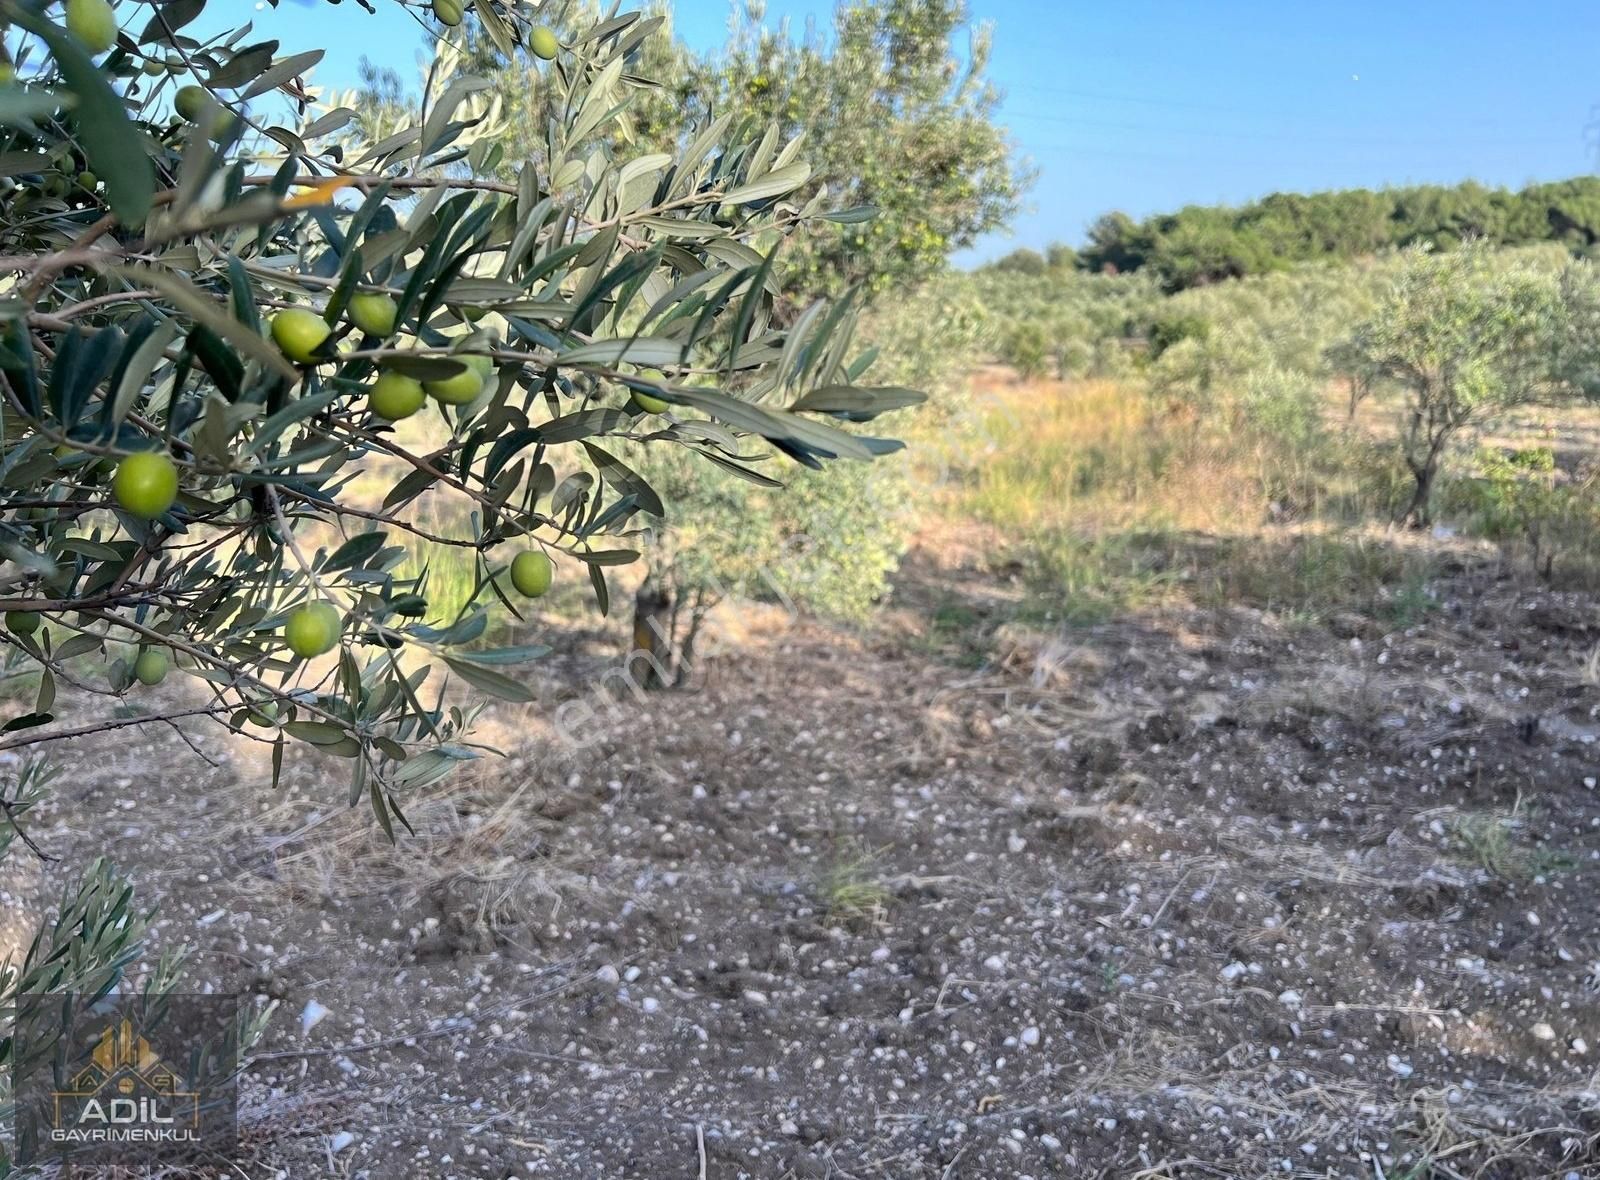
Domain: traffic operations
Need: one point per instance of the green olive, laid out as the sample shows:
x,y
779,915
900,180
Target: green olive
x,y
312,629
22,622
93,23
544,44
150,669
300,333
373,312
190,103
532,573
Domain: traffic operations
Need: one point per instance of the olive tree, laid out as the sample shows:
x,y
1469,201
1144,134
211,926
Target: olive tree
x,y
1460,338
896,126
892,99
222,318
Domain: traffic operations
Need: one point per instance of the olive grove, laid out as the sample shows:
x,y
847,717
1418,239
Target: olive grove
x,y
224,312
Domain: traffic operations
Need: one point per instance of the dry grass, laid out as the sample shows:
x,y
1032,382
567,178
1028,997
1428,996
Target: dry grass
x,y
1057,446
475,867
1448,1126
1098,454
1589,667
1113,500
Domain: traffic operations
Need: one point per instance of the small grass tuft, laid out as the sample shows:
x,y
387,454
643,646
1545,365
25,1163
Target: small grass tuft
x,y
1491,841
852,892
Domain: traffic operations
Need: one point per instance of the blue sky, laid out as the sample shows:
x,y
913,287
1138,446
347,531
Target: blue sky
x,y
1152,104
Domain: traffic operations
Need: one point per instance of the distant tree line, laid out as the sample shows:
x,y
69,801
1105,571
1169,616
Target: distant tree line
x,y
1202,244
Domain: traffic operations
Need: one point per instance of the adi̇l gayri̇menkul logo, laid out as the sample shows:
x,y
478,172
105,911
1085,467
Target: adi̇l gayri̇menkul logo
x,y
125,1080
126,1094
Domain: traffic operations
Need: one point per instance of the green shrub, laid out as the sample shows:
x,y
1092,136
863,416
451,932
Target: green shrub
x,y
1523,500
1075,357
820,543
1026,349
1171,329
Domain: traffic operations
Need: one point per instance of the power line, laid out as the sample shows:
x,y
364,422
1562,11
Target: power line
x,y
1448,158
1139,99
1280,137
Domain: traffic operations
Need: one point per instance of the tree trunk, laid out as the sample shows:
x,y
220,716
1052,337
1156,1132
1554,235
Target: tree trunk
x,y
1416,514
688,653
652,635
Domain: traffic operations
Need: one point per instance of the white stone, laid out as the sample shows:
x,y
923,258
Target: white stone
x,y
312,1015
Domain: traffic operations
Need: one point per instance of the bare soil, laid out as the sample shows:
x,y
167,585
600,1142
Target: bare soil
x,y
1191,894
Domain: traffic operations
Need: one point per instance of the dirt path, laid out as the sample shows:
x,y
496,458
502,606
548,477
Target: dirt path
x,y
1194,894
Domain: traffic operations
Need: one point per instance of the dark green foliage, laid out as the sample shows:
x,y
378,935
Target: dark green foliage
x,y
1058,256
1203,244
1169,328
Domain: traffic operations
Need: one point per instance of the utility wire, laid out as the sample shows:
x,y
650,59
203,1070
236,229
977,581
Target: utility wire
x,y
1311,136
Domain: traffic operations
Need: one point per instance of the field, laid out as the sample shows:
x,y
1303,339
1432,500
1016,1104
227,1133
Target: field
x,y
1139,833
549,629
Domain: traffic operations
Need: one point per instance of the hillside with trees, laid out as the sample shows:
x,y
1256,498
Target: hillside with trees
x,y
1202,244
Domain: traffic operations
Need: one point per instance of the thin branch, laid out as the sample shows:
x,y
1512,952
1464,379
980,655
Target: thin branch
x,y
34,739
294,545
10,809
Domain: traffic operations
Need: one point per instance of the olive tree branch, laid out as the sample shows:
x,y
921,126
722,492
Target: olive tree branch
x,y
33,739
